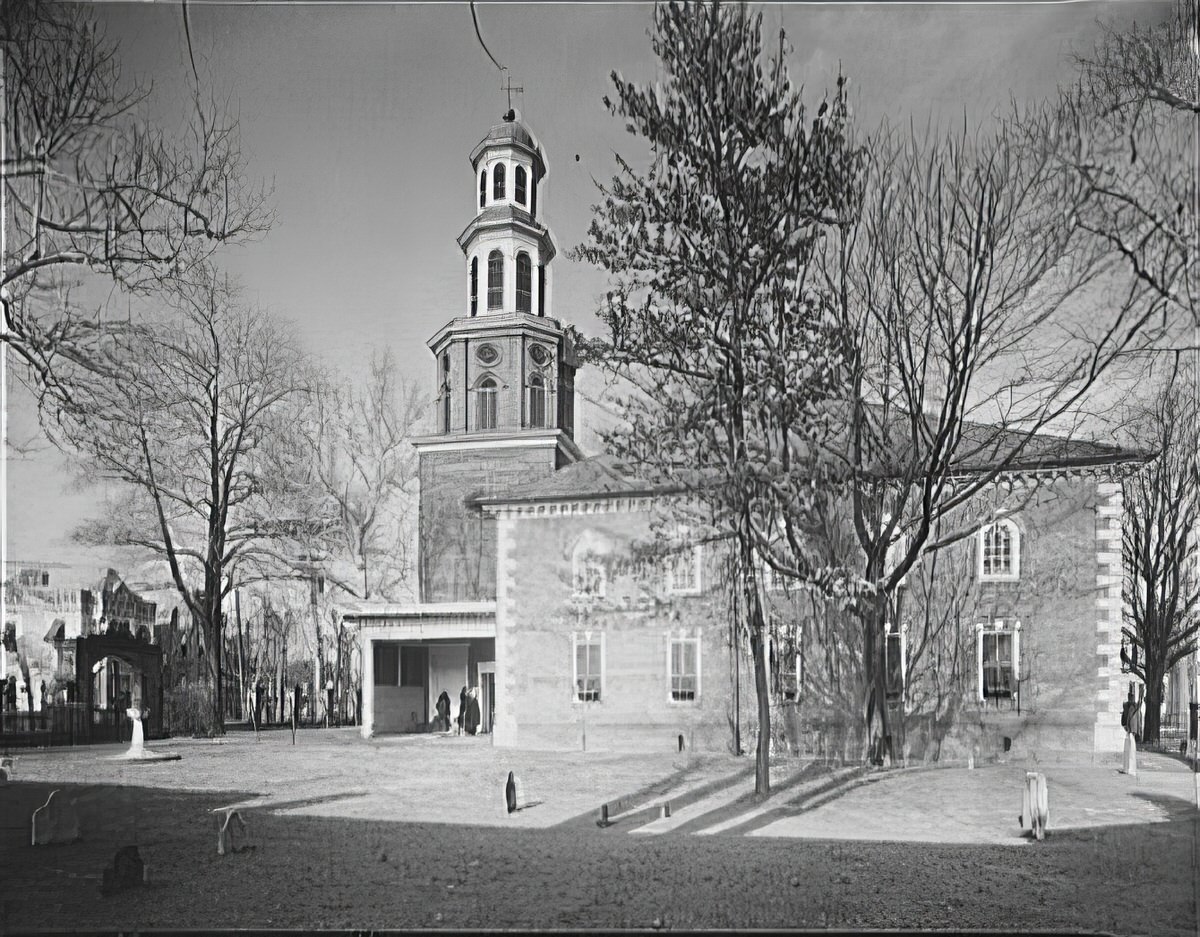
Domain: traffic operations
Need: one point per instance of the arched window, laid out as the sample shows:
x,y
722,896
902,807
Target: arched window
x,y
541,289
524,283
495,280
519,184
498,182
485,404
445,393
533,195
482,187
1000,551
537,401
474,285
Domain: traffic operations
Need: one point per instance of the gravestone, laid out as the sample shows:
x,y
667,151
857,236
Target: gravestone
x,y
127,871
138,741
1035,804
55,821
1129,762
514,795
231,827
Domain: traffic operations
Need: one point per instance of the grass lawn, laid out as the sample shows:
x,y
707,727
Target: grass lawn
x,y
341,862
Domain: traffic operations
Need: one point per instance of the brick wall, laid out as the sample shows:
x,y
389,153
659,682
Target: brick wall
x,y
536,616
457,546
1069,585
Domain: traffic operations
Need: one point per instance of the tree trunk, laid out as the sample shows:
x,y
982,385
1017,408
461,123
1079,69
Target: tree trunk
x,y
1152,713
762,760
875,697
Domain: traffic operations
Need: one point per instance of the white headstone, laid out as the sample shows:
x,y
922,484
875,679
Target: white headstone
x,y
1129,763
137,743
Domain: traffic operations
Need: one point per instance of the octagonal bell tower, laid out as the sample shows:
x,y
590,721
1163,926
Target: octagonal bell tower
x,y
504,381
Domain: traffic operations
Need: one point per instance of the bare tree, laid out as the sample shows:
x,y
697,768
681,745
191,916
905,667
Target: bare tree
x,y
1161,547
1132,121
90,186
713,306
961,288
184,427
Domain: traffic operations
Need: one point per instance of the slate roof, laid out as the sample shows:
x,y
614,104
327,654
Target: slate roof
x,y
605,476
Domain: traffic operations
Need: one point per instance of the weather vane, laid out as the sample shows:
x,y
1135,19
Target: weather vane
x,y
510,88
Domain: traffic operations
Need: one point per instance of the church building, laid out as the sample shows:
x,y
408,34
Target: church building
x,y
536,587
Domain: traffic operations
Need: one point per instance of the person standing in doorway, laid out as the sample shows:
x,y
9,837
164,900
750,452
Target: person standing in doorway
x,y
443,711
462,708
471,723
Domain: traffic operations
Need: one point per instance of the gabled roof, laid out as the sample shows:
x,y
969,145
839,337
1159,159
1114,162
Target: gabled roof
x,y
982,446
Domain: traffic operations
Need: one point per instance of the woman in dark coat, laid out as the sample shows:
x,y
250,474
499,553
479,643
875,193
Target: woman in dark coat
x,y
443,711
471,723
462,708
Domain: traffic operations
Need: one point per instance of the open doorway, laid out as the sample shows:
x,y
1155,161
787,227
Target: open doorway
x,y
487,695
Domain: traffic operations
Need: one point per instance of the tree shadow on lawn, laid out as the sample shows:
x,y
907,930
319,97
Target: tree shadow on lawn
x,y
320,872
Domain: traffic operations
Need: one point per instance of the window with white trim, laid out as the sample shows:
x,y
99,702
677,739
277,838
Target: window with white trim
x,y
524,283
498,182
520,184
587,671
1000,551
997,655
485,404
683,571
683,666
495,276
474,285
537,400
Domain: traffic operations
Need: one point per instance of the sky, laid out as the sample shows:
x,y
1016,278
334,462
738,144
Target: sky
x,y
362,116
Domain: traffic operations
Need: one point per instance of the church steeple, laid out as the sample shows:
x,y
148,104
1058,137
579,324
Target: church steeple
x,y
505,364
507,248
505,372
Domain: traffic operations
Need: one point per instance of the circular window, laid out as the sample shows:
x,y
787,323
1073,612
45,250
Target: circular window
x,y
539,354
488,354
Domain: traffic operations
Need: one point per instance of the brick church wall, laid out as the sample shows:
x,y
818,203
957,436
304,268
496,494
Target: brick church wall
x,y
1067,600
536,617
458,545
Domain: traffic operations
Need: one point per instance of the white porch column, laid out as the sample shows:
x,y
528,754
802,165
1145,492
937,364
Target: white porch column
x,y
368,685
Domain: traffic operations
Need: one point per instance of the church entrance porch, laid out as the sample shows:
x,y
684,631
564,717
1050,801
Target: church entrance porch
x,y
413,654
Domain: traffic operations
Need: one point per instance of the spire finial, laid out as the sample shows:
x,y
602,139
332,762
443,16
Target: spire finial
x,y
509,87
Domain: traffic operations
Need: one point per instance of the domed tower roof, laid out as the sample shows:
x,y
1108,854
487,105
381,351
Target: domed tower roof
x,y
511,132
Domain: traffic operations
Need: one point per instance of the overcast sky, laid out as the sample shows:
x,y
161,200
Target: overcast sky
x,y
363,116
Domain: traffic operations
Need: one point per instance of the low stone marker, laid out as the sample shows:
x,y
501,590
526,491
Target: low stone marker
x,y
1129,762
664,811
229,820
127,871
6,770
514,795
55,821
1035,804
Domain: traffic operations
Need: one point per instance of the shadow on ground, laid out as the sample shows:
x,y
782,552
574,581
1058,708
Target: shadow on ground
x,y
321,872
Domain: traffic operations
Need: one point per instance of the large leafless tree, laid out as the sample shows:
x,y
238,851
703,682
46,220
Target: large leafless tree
x,y
185,427
1161,546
